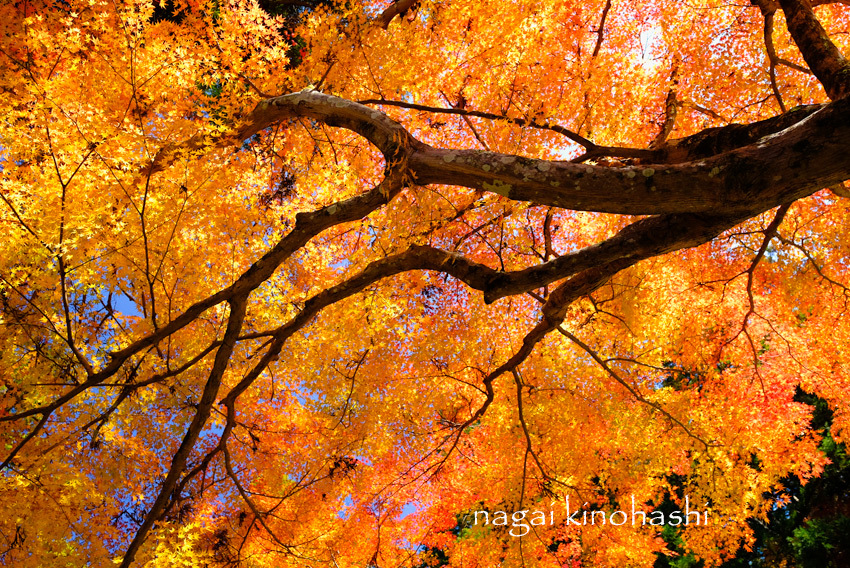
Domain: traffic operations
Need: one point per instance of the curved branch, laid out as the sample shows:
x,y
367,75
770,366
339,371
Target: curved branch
x,y
397,8
427,258
800,153
386,134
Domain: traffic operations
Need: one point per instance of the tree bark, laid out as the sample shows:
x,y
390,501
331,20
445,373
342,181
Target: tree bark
x,y
808,155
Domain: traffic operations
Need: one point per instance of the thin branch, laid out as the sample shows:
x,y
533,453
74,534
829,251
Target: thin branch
x,y
632,390
769,234
468,123
578,139
528,445
773,59
703,110
245,497
600,31
815,265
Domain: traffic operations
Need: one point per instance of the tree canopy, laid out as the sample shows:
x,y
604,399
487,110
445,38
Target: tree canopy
x,y
311,283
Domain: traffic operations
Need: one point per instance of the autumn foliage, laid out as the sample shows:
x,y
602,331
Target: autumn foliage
x,y
307,283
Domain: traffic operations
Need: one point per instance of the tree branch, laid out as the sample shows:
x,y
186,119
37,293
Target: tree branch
x,y
600,31
773,59
632,390
720,139
809,155
573,136
821,55
204,407
397,8
671,107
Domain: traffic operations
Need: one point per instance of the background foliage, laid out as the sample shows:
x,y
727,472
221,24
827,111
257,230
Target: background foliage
x,y
305,283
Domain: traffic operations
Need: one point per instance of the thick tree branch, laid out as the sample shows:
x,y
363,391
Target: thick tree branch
x,y
641,240
671,107
720,139
809,155
741,176
821,55
386,134
397,8
202,413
